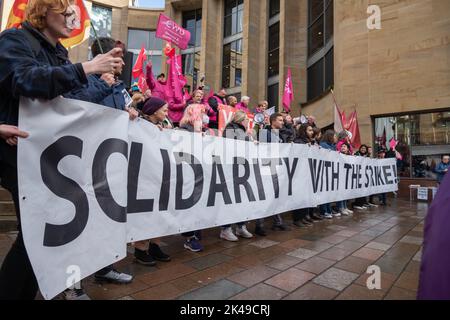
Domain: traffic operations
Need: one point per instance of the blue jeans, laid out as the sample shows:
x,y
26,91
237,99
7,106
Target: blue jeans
x,y
382,198
342,204
325,208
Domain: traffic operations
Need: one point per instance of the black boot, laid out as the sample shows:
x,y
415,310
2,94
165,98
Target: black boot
x,y
143,257
155,251
260,232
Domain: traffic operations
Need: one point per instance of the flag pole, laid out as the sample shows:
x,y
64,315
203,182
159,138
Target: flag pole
x,y
96,37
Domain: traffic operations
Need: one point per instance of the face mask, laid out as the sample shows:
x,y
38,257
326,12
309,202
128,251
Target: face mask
x,y
205,119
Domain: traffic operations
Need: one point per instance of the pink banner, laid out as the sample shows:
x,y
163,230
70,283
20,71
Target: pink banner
x,y
288,95
170,31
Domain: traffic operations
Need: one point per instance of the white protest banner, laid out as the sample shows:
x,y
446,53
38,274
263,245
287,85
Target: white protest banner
x,y
90,181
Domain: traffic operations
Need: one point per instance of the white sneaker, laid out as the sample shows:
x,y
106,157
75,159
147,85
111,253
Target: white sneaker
x,y
227,234
348,211
359,208
75,294
115,276
336,214
344,212
328,216
243,232
372,205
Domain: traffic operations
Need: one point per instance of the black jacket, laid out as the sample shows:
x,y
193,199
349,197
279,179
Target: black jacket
x,y
35,71
235,131
287,133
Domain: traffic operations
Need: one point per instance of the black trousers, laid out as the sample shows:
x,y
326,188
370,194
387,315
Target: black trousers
x,y
301,214
17,279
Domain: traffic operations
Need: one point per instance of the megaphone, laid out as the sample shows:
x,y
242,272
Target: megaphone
x,y
259,118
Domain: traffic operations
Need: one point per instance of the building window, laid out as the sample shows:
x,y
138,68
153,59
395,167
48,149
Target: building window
x,y
274,8
233,17
274,50
192,21
320,29
101,18
272,95
320,47
232,64
423,139
191,68
153,46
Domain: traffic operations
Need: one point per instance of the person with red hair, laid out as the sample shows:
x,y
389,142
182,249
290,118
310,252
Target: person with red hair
x,y
34,64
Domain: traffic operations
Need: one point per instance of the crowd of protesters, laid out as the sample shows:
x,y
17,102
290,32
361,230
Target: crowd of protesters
x,y
34,64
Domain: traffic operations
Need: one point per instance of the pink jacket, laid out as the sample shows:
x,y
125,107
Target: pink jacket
x,y
159,90
176,110
243,107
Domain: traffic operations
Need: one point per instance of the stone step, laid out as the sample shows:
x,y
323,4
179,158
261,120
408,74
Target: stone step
x,y
5,195
7,208
8,224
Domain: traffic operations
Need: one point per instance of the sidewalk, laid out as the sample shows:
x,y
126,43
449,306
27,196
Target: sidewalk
x,y
327,261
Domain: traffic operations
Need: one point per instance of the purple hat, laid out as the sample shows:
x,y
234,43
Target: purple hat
x,y
152,105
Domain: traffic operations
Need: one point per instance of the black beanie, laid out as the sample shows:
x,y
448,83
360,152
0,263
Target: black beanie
x,y
152,105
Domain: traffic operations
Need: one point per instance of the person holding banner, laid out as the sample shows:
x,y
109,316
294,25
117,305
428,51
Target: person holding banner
x,y
155,111
193,121
272,135
328,142
305,217
236,129
118,98
34,64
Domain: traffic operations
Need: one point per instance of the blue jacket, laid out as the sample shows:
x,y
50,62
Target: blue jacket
x,y
440,170
328,146
30,66
116,99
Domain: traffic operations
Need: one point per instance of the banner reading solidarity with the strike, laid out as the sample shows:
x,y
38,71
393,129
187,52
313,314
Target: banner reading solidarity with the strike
x,y
168,30
91,181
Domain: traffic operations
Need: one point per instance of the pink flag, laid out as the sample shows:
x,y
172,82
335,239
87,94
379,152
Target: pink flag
x,y
170,31
175,80
288,95
187,96
138,68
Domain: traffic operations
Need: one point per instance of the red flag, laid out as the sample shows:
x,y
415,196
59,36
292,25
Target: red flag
x,y
142,83
288,95
138,68
17,14
353,127
170,31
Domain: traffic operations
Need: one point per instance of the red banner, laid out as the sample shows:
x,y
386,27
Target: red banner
x,y
170,31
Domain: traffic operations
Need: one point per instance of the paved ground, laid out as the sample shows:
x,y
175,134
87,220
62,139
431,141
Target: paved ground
x,y
328,261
